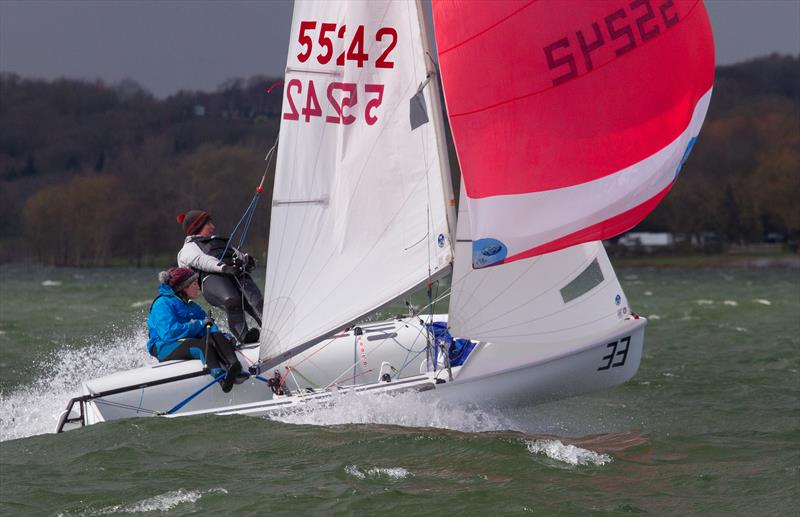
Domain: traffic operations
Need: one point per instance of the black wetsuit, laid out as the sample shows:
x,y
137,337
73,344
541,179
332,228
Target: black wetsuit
x,y
232,293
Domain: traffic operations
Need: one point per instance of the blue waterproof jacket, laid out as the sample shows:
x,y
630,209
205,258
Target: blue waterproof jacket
x,y
171,319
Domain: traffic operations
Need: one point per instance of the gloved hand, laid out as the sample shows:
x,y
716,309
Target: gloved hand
x,y
231,270
249,263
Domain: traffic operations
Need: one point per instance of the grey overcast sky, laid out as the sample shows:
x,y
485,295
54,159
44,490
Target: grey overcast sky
x,y
170,45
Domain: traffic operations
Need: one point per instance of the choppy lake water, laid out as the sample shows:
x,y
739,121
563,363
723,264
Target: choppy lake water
x,y
709,425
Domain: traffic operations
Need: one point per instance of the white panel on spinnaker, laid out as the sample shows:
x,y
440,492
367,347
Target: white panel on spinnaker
x,y
358,215
550,303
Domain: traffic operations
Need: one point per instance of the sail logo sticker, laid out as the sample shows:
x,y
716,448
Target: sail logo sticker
x,y
685,156
618,299
486,252
440,240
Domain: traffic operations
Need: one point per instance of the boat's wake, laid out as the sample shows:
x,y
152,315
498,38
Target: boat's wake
x,y
409,409
34,408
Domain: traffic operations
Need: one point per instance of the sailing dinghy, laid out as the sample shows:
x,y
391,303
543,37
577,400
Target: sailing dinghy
x,y
570,121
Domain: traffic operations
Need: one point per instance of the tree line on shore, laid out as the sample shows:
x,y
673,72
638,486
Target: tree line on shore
x,y
93,174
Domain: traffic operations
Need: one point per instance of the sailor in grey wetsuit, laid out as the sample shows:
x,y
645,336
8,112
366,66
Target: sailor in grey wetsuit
x,y
224,273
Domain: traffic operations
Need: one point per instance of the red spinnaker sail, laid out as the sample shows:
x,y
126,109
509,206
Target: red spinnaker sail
x,y
571,118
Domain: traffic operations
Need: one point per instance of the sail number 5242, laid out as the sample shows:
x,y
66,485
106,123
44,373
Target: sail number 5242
x,y
618,352
326,33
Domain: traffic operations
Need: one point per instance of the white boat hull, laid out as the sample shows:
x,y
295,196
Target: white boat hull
x,y
353,361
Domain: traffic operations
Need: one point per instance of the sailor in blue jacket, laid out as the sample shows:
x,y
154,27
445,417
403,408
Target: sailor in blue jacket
x,y
178,328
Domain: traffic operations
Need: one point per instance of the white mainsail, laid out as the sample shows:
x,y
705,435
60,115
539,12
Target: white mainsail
x,y
359,213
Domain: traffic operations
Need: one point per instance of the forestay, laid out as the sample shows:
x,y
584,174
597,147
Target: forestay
x,y
358,215
571,121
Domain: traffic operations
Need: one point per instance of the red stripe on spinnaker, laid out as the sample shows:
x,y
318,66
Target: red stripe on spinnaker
x,y
597,232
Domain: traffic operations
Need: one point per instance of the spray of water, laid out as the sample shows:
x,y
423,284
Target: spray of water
x,y
411,409
570,454
34,408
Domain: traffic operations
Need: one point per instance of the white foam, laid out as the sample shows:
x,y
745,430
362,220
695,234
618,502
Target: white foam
x,y
51,283
165,502
763,301
654,317
353,471
34,408
731,303
704,302
405,409
378,472
570,454
136,305
648,293
160,503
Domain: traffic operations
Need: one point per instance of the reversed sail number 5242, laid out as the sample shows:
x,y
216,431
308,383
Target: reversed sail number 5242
x,y
341,102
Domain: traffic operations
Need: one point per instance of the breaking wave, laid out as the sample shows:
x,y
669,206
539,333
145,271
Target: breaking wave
x,y
34,408
570,454
377,472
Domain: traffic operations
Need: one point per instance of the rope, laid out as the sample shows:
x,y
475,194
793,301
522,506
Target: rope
x,y
188,399
247,216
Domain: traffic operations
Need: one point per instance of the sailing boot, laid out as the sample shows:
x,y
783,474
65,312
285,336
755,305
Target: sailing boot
x,y
242,375
251,336
230,377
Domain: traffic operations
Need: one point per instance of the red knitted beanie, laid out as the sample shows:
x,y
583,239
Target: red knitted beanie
x,y
193,221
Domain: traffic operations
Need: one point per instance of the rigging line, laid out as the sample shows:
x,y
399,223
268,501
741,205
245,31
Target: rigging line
x,y
437,299
349,377
300,374
246,229
408,361
580,267
122,405
312,354
191,397
235,228
360,175
253,203
411,360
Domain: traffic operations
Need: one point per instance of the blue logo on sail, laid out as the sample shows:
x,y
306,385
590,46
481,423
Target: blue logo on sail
x,y
440,240
685,156
486,252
